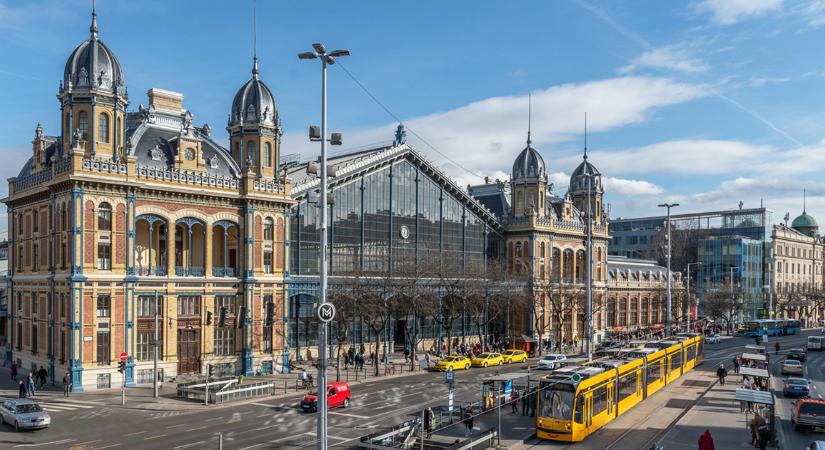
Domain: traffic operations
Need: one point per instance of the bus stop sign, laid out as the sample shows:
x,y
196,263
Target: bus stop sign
x,y
449,376
576,378
508,387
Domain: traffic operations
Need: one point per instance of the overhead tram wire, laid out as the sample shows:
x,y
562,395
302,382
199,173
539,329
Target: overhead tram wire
x,y
398,119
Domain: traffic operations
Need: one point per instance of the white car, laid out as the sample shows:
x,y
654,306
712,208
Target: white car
x,y
713,339
551,361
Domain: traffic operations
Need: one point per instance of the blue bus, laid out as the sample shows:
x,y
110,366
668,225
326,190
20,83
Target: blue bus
x,y
792,326
755,328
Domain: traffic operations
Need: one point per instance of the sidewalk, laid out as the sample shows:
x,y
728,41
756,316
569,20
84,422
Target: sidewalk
x,y
717,411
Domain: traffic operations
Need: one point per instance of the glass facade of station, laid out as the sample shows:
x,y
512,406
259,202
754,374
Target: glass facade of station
x,y
737,260
395,221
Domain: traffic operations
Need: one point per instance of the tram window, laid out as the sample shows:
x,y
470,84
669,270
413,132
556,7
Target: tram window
x,y
654,371
691,353
557,403
599,400
627,385
577,413
676,361
701,348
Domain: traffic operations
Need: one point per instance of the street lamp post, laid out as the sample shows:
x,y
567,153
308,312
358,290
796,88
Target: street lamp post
x,y
327,58
589,317
688,294
668,248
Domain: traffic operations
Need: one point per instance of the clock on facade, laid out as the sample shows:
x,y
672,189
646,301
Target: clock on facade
x,y
190,154
405,232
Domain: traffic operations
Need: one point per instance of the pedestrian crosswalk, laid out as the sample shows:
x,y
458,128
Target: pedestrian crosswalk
x,y
52,402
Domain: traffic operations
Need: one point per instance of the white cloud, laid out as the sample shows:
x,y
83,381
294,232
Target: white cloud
x,y
621,186
726,12
676,58
486,135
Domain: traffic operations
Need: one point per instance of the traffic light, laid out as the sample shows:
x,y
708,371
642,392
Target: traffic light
x,y
209,317
121,366
270,314
222,318
242,317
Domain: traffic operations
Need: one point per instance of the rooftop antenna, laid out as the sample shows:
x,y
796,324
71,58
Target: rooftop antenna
x,y
255,39
529,116
804,201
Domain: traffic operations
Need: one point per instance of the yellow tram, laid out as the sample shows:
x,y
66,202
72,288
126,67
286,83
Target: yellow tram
x,y
576,401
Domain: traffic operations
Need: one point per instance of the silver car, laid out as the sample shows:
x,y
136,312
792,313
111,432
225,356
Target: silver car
x,y
24,414
551,361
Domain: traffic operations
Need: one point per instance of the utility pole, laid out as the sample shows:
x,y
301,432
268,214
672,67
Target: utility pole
x,y
668,247
688,294
326,59
589,317
155,349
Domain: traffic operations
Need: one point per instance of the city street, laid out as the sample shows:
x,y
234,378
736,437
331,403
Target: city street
x,y
278,423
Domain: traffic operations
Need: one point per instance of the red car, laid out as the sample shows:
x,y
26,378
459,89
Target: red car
x,y
808,414
338,394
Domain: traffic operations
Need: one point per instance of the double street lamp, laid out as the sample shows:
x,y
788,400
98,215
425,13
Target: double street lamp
x,y
327,58
668,249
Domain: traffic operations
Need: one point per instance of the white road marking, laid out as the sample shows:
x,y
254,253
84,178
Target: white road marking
x,y
132,434
196,429
189,445
236,417
264,428
178,425
252,446
213,418
154,437
64,441
348,415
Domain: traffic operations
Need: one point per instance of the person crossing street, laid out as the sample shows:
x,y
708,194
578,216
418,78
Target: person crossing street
x,y
721,372
776,346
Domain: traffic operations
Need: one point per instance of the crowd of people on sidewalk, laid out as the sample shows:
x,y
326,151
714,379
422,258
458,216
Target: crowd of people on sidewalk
x,y
36,380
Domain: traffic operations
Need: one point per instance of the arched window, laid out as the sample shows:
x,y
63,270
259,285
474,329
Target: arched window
x,y
518,249
250,151
268,229
103,127
236,152
83,124
267,155
520,199
104,217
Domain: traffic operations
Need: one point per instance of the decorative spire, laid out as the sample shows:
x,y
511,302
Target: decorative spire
x,y
585,135
93,27
254,39
804,201
529,117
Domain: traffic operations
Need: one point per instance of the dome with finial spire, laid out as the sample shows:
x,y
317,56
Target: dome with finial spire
x,y
528,163
92,65
578,180
805,223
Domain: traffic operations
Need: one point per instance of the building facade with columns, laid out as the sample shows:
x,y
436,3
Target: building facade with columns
x,y
119,207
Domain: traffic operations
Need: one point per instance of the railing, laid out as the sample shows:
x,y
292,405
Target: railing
x,y
224,390
196,271
223,271
188,177
156,271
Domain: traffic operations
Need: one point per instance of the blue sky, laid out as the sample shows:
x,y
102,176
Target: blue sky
x,y
704,102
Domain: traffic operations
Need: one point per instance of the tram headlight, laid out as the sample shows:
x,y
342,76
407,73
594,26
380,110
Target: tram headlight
x,y
567,426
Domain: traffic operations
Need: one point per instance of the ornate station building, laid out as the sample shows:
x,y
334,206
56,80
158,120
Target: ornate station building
x,y
118,208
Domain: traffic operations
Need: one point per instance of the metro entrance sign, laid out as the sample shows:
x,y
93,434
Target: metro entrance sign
x,y
326,312
124,356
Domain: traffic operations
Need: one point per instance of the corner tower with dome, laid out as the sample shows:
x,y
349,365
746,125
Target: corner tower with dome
x,y
118,205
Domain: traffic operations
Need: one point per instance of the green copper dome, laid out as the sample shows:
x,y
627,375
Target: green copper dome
x,y
804,221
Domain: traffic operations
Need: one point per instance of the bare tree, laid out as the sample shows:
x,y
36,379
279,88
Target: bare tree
x,y
722,304
565,300
342,323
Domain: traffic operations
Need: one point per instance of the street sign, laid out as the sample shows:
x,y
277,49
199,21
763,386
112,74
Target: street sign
x,y
576,378
326,311
508,387
124,356
449,376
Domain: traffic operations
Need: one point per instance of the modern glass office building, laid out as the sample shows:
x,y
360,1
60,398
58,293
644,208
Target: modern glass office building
x,y
734,261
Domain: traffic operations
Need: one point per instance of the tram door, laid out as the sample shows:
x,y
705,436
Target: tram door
x,y
588,410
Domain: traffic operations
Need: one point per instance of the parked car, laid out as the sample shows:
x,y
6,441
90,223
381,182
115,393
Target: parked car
x,y
551,361
797,354
514,356
487,359
808,413
24,414
796,387
453,363
713,339
792,366
338,394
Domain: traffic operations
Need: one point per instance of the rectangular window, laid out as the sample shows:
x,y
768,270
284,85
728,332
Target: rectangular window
x,y
35,257
268,321
224,341
627,386
34,340
146,306
676,361
268,261
20,267
599,399
35,221
226,301
104,306
63,254
103,348
145,345
104,256
34,303
654,371
104,381
189,305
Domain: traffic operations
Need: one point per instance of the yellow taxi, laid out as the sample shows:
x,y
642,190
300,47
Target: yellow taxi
x,y
487,359
514,356
453,363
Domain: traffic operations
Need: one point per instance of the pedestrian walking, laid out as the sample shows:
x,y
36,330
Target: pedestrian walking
x,y
13,371
428,422
30,384
776,346
757,423
21,390
736,365
514,401
532,402
721,373
524,400
42,374
468,422
706,441
67,384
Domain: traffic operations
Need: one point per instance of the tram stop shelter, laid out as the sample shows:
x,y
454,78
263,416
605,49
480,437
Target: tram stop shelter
x,y
759,398
498,386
